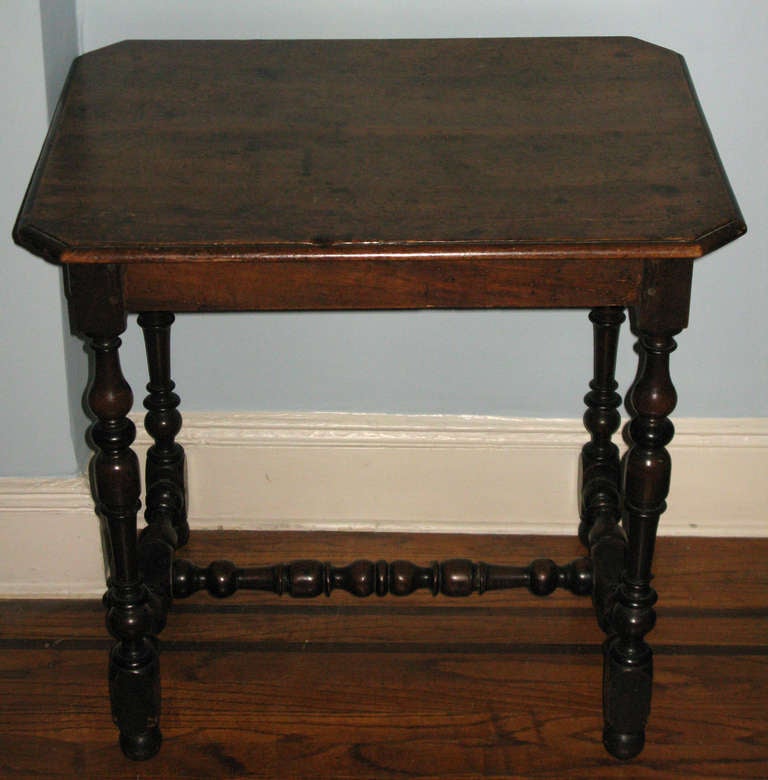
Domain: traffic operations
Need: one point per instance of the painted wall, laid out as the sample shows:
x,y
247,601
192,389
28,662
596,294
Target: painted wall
x,y
34,410
490,363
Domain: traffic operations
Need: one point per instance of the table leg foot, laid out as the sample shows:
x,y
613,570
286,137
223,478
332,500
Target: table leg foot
x,y
627,684
134,684
623,746
141,747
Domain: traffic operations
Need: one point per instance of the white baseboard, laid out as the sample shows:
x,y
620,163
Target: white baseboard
x,y
357,472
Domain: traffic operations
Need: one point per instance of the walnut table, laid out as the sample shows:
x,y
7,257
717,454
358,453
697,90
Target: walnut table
x,y
214,176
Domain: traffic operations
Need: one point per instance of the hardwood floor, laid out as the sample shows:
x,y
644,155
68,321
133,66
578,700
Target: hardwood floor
x,y
504,685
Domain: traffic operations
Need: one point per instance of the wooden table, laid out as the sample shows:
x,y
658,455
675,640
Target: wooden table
x,y
331,175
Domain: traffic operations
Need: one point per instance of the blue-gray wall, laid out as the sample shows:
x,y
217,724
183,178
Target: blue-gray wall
x,y
497,363
34,409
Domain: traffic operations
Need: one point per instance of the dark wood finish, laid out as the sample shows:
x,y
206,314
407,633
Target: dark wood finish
x,y
95,298
295,175
165,481
133,614
664,296
166,497
412,687
394,282
600,489
519,143
455,578
647,467
680,564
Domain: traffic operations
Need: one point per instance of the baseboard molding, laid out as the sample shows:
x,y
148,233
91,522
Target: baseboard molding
x,y
363,472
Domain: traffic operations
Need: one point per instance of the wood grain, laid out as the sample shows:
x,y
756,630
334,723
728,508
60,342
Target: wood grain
x,y
503,685
235,147
393,283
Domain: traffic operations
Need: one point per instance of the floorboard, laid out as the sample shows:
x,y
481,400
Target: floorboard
x,y
504,685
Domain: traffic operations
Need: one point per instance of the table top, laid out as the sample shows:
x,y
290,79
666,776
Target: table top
x,y
577,147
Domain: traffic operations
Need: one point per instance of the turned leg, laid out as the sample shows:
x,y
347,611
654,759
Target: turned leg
x,y
166,502
133,614
599,465
599,473
628,670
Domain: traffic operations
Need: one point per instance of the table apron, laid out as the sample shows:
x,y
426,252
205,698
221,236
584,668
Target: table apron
x,y
380,283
